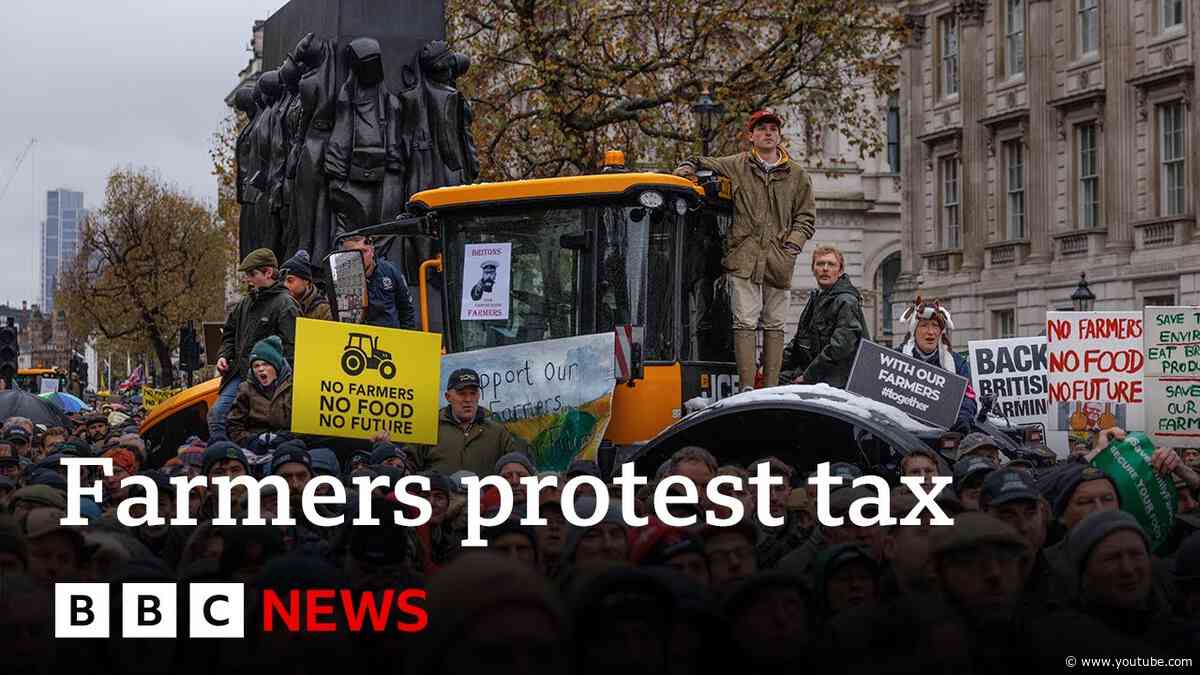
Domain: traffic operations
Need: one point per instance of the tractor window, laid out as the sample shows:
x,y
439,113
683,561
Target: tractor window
x,y
706,312
544,296
636,275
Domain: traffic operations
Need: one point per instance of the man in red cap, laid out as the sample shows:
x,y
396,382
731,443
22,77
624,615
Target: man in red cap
x,y
775,214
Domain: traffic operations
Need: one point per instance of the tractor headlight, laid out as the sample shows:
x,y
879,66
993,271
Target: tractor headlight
x,y
681,206
651,199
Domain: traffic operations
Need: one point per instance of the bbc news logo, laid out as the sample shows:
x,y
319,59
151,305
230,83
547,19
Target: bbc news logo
x,y
218,610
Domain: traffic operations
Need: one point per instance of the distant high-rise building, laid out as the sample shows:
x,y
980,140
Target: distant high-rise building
x,y
60,238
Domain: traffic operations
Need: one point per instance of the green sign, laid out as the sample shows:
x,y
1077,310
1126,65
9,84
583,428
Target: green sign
x,y
1145,495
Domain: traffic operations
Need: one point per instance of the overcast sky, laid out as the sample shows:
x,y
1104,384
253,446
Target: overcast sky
x,y
103,84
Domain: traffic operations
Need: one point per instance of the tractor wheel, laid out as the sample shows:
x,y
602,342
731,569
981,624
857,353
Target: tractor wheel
x,y
387,370
353,362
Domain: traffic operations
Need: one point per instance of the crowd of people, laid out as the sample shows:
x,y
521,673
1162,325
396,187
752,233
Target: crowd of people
x,y
1040,561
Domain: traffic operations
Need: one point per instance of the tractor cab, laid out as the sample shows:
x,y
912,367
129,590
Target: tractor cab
x,y
638,253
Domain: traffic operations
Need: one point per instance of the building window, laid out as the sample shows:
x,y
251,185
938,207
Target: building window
x,y
1004,323
1172,159
893,133
1167,300
1014,160
948,30
1172,13
1088,26
1089,177
948,234
1014,37
885,281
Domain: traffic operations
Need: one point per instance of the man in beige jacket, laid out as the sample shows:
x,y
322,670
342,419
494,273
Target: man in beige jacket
x,y
775,215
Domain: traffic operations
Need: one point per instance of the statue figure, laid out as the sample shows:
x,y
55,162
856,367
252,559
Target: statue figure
x,y
361,162
290,236
436,132
243,100
310,214
277,159
450,116
268,90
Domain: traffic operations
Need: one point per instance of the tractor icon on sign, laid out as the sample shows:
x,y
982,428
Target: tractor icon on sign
x,y
362,351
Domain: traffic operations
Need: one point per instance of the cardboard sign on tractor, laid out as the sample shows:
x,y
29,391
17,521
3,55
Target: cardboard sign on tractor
x,y
354,381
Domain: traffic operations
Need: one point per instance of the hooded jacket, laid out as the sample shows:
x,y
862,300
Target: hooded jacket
x,y
256,410
828,334
314,305
476,449
772,207
262,313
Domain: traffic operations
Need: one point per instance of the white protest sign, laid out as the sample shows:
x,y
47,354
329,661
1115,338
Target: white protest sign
x,y
1173,376
487,276
554,394
49,385
1014,371
1094,372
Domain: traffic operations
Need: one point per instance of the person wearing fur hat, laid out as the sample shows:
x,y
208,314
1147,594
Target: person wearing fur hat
x,y
298,275
264,399
928,340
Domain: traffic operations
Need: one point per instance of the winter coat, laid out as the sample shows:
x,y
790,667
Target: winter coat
x,y
314,305
475,449
827,337
389,302
255,412
951,361
771,208
262,313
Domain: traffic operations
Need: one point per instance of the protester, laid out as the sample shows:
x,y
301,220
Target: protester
x,y
979,444
922,463
969,474
264,399
389,301
774,216
298,274
266,310
830,327
731,555
468,437
928,340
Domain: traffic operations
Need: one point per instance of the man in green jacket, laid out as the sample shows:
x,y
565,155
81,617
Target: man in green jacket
x,y
266,310
831,325
774,215
468,437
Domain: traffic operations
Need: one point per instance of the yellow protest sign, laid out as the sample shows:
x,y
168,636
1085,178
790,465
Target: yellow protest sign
x,y
152,397
355,381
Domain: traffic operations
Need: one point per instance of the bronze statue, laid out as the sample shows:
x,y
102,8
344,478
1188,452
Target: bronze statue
x,y
310,213
318,159
289,74
268,90
243,100
360,162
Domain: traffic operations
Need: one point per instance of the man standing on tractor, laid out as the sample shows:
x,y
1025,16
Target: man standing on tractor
x,y
389,302
266,310
775,215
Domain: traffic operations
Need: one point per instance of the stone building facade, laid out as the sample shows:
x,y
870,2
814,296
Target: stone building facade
x,y
858,210
1045,138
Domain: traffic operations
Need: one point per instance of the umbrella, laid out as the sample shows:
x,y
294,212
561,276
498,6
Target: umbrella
x,y
17,403
68,402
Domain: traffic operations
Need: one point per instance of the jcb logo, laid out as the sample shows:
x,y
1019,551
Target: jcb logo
x,y
717,386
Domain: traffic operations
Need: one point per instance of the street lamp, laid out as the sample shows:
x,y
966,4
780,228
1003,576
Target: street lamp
x,y
1083,299
708,115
